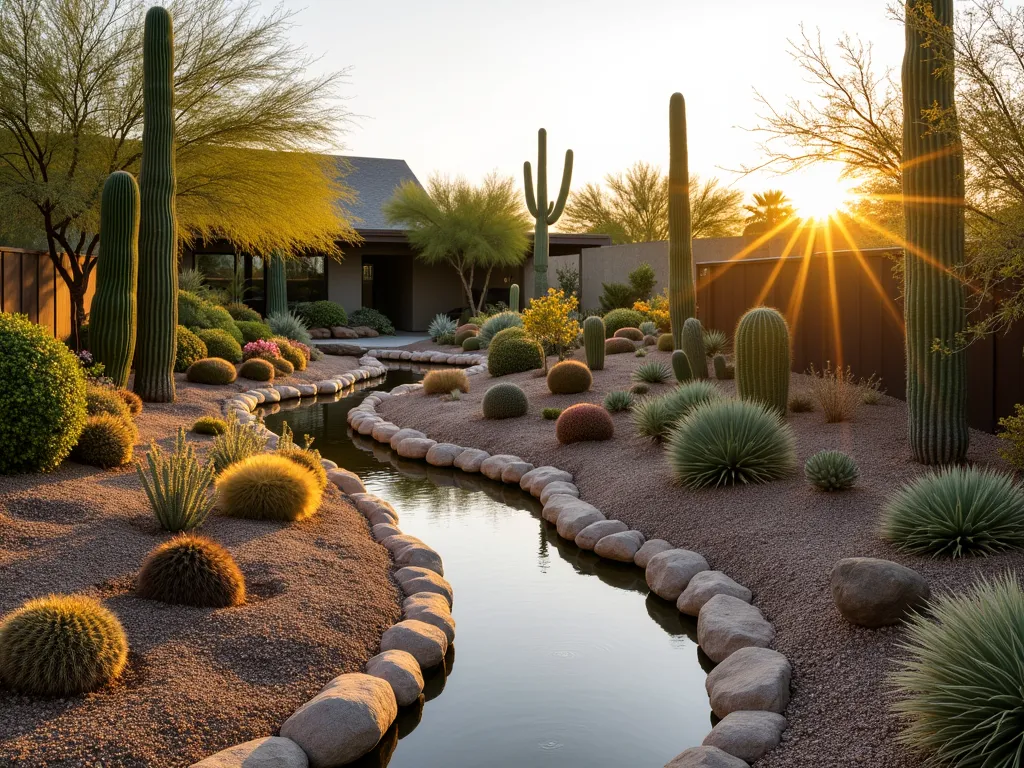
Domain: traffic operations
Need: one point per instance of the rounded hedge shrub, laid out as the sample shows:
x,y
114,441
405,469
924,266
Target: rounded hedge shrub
x,y
666,343
504,401
322,314
106,442
209,425
190,348
472,344
622,318
61,645
42,397
956,512
220,344
293,356
584,422
443,381
618,346
241,313
191,570
308,460
211,370
257,370
633,334
831,471
282,367
372,318
496,324
133,401
726,442
961,679
196,312
569,377
512,351
99,400
267,487
254,331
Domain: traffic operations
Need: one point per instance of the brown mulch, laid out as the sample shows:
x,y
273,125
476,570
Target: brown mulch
x,y
198,680
779,539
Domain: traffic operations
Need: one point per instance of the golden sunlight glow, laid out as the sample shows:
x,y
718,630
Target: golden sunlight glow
x,y
818,192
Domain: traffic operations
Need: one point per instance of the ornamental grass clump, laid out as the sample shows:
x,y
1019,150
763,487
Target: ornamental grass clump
x,y
209,425
257,369
831,471
654,417
106,442
618,400
441,326
652,372
177,485
289,325
267,487
504,401
442,382
584,422
800,402
569,377
730,442
836,391
956,512
497,323
211,370
191,570
238,442
961,681
61,645
715,341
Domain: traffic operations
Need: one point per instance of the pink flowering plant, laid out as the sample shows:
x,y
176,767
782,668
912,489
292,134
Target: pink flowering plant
x,y
303,348
266,350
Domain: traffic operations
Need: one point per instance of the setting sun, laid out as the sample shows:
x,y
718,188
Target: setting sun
x,y
818,193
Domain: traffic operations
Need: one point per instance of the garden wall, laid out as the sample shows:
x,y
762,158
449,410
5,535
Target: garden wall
x,y
29,284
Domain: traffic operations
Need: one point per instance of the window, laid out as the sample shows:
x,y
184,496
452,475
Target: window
x,y
307,278
218,269
367,273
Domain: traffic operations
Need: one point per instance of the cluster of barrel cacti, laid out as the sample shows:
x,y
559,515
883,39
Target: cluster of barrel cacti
x,y
763,358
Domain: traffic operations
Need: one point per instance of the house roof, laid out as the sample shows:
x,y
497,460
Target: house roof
x,y
374,180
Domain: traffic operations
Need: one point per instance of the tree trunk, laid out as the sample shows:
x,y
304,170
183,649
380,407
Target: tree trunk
x,y
483,294
76,292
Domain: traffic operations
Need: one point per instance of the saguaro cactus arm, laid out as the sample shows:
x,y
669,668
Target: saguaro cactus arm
x,y
555,209
531,201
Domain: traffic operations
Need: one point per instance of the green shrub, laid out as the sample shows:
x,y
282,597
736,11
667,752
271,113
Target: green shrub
x,y
715,341
191,570
640,352
293,356
371,318
106,442
441,326
496,324
652,372
220,344
569,377
211,370
100,399
282,367
61,645
956,512
551,413
618,400
666,343
190,348
633,334
618,346
622,318
322,314
584,422
728,442
504,401
266,486
289,325
443,381
616,295
133,401
176,485
257,370
209,425
648,328
800,402
1012,435
960,680
240,313
831,471
197,313
239,441
512,351
42,397
472,344
254,331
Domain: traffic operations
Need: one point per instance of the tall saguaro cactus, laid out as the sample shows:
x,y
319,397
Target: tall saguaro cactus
x,y
682,295
277,285
544,213
158,227
113,316
933,179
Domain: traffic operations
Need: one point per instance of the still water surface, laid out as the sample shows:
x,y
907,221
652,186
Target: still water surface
x,y
560,658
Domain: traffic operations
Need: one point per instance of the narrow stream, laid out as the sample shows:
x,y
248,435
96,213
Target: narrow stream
x,y
560,658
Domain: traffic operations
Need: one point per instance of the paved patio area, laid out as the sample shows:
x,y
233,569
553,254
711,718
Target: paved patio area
x,y
400,339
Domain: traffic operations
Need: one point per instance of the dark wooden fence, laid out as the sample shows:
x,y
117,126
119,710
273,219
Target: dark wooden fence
x,y
30,285
847,310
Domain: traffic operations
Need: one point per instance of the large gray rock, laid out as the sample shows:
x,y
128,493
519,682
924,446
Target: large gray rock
x,y
726,624
875,593
471,459
344,721
559,486
399,541
593,533
514,472
419,555
572,521
443,454
367,503
347,482
402,434
436,612
750,679
621,547
401,671
747,735
383,431
414,580
383,531
650,548
706,585
670,571
561,502
705,757
269,752
415,447
425,642
366,426
537,479
493,466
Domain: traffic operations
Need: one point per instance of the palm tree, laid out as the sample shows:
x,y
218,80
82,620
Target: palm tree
x,y
770,209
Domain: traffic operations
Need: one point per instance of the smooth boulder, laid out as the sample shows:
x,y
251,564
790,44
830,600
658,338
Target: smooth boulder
x,y
470,459
750,679
670,571
559,486
420,555
621,547
573,520
593,533
425,642
726,624
437,613
402,673
876,593
402,434
705,757
748,735
415,580
443,454
650,548
268,752
706,585
347,482
493,466
514,472
415,447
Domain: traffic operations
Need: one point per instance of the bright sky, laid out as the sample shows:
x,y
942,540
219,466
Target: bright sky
x,y
461,86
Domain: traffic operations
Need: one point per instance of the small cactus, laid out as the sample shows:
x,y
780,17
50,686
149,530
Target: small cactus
x,y
504,401
191,570
569,377
584,422
831,471
762,358
681,367
513,297
593,342
693,346
723,370
267,487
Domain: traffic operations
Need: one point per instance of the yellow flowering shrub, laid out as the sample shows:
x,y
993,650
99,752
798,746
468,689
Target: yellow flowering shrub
x,y
656,311
549,321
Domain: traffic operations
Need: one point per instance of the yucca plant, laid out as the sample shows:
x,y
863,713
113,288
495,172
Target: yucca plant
x,y
289,325
957,512
831,471
715,341
176,485
652,372
730,442
962,680
239,441
441,326
619,400
655,416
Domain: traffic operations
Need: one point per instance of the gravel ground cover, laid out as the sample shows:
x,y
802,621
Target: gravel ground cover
x,y
780,540
198,680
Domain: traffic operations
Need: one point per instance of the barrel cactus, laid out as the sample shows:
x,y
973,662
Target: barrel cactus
x,y
762,358
112,319
504,401
191,570
593,342
682,297
584,422
569,377
156,342
513,297
681,366
693,346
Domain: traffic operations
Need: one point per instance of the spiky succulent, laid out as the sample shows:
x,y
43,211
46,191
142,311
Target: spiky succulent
x,y
618,400
239,441
497,323
831,471
444,380
647,328
654,417
289,325
652,372
715,341
177,485
441,325
191,570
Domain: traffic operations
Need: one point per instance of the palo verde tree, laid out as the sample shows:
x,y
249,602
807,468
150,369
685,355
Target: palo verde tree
x,y
471,228
71,113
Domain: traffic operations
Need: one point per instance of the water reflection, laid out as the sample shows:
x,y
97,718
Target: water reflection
x,y
560,663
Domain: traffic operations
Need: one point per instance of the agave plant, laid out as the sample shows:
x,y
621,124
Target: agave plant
x,y
715,341
618,400
441,326
652,372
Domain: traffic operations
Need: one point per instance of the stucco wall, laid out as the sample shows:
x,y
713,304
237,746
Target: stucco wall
x,y
435,289
344,282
